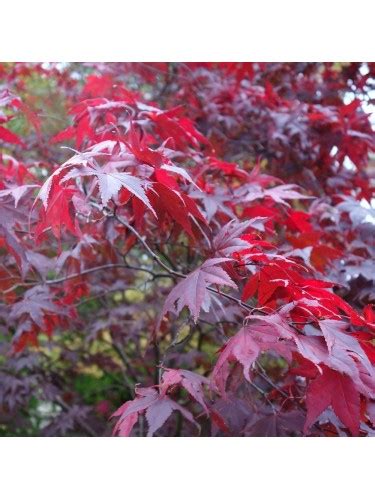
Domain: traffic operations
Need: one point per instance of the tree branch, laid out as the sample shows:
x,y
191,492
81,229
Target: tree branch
x,y
172,272
100,268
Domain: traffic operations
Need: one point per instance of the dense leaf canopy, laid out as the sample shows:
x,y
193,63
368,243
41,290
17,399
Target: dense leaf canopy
x,y
187,249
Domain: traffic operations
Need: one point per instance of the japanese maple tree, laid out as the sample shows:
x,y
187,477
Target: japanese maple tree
x,y
187,249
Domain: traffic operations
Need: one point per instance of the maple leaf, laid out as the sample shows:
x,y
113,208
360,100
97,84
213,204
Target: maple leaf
x,y
266,333
67,420
285,192
341,352
170,167
192,290
15,247
358,213
277,320
59,212
14,390
227,240
11,217
272,425
35,303
245,347
335,389
338,340
109,179
179,206
157,407
8,136
17,192
214,202
159,412
278,193
64,135
110,182
271,278
230,415
192,382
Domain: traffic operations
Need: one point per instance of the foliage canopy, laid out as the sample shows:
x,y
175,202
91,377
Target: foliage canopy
x,y
187,248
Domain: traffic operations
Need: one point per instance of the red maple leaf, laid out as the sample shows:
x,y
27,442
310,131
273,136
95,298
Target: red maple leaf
x,y
335,389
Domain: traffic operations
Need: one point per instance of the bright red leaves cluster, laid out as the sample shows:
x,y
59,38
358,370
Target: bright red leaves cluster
x,y
237,197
